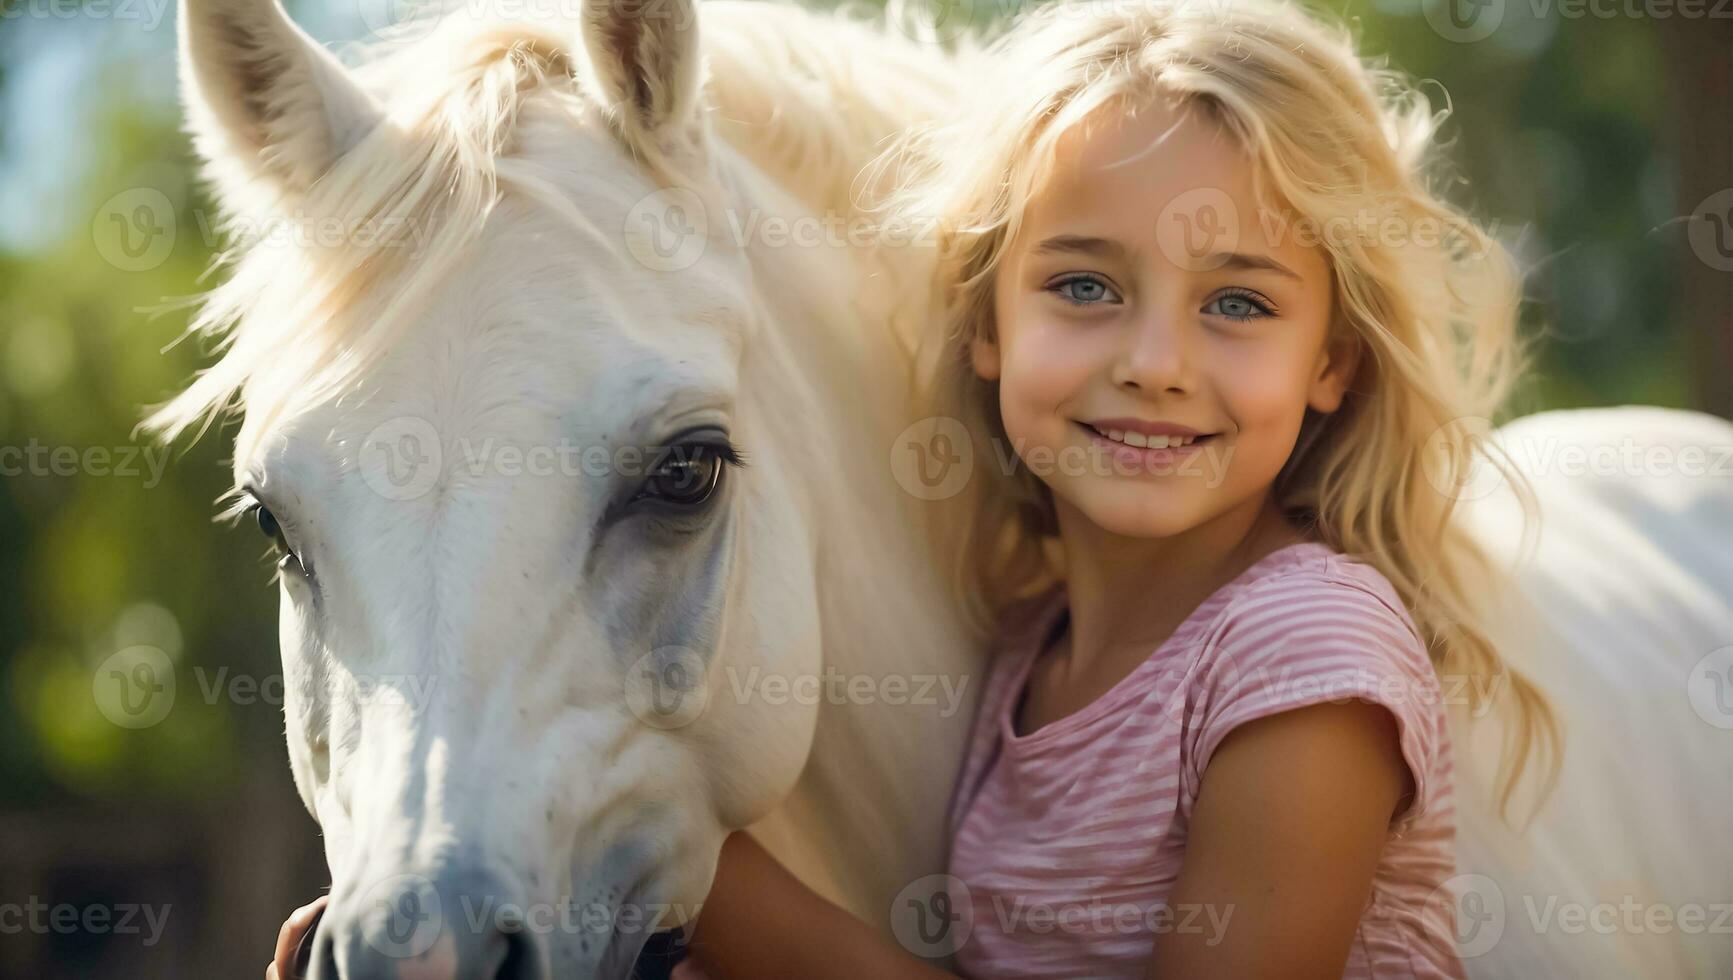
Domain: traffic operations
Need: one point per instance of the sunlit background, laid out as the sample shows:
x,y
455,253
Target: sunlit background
x,y
1596,137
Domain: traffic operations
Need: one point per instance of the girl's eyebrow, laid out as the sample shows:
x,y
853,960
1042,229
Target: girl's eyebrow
x,y
1087,245
1109,248
1246,262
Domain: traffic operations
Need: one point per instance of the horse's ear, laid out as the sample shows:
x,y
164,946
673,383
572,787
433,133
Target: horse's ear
x,y
270,110
644,61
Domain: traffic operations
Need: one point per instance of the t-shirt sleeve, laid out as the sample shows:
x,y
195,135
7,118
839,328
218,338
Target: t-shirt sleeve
x,y
1301,640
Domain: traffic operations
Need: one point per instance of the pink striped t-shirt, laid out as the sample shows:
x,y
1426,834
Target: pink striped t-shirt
x,y
1067,840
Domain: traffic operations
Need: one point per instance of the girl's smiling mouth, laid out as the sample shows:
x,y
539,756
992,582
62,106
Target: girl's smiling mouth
x,y
1138,434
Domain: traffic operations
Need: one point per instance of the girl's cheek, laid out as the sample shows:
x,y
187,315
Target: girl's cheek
x,y
1021,397
1040,381
1267,409
1048,363
1259,385
1263,402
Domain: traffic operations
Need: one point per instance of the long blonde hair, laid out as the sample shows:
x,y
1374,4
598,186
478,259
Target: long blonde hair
x,y
1331,137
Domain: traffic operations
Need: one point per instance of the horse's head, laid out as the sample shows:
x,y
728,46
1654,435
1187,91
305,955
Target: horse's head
x,y
491,419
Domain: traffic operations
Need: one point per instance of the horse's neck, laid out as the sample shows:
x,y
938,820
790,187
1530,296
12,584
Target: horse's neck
x,y
831,390
809,101
867,817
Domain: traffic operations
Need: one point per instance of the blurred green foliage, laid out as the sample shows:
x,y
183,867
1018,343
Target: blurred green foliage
x,y
1557,128
119,550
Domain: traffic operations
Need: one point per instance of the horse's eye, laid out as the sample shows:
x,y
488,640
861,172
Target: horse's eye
x,y
690,471
686,475
268,523
270,527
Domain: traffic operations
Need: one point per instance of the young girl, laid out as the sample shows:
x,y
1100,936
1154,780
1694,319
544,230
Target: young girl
x,y
1198,284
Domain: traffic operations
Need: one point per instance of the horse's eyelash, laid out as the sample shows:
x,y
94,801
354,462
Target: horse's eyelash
x,y
242,504
719,444
732,454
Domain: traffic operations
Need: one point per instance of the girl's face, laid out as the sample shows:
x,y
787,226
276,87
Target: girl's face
x,y
1147,303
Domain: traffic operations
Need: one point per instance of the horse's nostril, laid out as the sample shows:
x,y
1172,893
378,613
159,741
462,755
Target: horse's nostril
x,y
317,958
520,958
328,960
508,954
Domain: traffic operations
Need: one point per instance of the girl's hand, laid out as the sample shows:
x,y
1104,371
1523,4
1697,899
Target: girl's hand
x,y
290,962
761,921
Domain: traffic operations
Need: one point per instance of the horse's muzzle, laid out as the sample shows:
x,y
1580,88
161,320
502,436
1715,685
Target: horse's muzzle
x,y
460,923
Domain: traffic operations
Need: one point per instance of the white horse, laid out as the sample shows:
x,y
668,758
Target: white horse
x,y
1625,618
545,640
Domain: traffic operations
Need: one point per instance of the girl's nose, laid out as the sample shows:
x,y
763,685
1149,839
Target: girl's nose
x,y
1154,355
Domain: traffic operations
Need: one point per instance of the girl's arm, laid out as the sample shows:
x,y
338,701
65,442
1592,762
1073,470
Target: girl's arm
x,y
1285,836
761,922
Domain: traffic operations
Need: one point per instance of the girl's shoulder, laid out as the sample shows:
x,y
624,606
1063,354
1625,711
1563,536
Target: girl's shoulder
x,y
1326,628
1310,584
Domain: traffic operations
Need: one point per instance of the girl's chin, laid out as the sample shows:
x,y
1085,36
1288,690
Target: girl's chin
x,y
1140,512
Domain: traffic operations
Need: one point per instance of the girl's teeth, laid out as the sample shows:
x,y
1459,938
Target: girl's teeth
x,y
1142,441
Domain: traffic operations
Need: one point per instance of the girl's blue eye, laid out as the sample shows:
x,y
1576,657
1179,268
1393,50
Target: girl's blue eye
x,y
1083,290
1239,306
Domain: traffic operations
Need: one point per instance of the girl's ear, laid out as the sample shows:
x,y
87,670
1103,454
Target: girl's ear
x,y
984,355
1336,368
